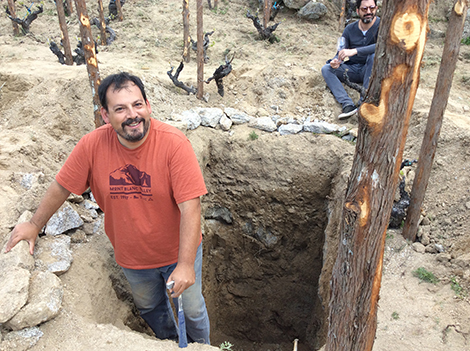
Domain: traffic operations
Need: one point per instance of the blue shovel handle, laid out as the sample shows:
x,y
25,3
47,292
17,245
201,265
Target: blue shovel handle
x,y
183,340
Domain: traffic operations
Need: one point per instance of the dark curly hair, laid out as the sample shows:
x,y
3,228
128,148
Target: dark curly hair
x,y
119,81
359,2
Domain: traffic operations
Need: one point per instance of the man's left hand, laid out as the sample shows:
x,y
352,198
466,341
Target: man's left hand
x,y
346,53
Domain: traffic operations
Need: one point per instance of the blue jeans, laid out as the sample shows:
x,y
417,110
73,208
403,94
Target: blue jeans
x,y
357,73
150,296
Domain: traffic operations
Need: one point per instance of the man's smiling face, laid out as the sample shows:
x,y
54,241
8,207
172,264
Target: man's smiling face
x,y
128,113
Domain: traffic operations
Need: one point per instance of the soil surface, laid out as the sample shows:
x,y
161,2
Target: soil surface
x,y
262,272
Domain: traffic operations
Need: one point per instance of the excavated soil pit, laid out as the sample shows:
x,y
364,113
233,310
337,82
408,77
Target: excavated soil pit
x,y
270,207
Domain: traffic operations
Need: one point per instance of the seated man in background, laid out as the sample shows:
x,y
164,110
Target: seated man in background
x,y
359,48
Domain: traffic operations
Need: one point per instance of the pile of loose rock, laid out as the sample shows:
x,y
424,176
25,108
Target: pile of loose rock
x,y
224,119
31,291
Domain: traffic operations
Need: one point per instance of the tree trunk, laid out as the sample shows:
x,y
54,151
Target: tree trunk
x,y
119,10
186,38
103,22
200,51
383,124
65,33
436,113
90,58
11,8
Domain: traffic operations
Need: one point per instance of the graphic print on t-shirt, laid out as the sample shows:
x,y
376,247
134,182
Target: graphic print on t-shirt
x,y
128,182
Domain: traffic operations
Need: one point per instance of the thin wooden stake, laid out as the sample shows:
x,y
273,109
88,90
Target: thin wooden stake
x,y
200,50
119,10
69,4
267,13
90,58
103,22
65,33
11,8
436,113
342,15
186,38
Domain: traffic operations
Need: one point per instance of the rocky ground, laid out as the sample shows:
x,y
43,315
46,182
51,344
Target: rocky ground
x,y
262,271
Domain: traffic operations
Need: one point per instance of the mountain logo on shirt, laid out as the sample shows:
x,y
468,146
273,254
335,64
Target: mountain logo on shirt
x,y
129,182
129,175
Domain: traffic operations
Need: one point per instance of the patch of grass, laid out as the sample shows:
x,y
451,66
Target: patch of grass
x,y
395,315
465,41
253,135
425,276
226,346
457,288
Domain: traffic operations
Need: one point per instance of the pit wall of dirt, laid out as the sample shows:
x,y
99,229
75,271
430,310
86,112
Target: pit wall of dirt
x,y
269,256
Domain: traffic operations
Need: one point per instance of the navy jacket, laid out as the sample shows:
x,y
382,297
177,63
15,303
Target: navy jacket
x,y
365,44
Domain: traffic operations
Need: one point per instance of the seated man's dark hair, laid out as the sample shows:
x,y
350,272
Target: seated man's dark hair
x,y
359,2
118,81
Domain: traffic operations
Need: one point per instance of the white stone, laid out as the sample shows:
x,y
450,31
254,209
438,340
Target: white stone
x,y
320,127
290,128
263,123
225,123
64,219
53,254
237,116
210,117
14,289
44,302
190,118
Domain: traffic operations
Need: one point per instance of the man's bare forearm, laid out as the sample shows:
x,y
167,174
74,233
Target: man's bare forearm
x,y
190,229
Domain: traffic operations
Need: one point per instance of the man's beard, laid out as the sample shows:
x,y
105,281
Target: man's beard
x,y
133,137
367,20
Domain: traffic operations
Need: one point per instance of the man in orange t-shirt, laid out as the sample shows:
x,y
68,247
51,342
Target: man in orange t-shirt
x,y
145,177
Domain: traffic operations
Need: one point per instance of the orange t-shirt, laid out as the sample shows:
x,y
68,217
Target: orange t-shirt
x,y
138,190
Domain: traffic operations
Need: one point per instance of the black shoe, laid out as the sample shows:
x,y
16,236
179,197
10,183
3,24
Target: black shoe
x,y
348,111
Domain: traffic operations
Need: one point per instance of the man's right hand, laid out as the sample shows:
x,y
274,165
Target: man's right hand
x,y
23,231
55,196
335,63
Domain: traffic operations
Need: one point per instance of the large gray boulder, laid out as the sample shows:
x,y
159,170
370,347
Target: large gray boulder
x,y
21,340
237,116
263,123
53,254
210,117
190,118
44,301
13,291
19,256
64,219
313,11
295,4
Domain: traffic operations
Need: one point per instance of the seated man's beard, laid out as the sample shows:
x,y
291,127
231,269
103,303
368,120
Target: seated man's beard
x,y
367,20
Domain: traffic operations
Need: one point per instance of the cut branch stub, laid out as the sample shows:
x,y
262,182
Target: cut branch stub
x,y
406,29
